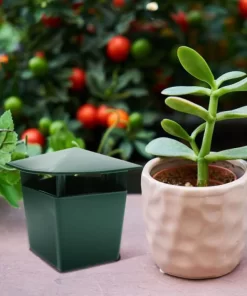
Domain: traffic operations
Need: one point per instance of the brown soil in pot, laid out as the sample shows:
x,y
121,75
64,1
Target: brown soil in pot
x,y
187,175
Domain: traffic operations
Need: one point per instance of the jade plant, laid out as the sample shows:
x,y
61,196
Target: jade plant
x,y
196,66
10,149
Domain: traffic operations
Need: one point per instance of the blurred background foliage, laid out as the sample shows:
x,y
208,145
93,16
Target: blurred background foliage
x,y
89,73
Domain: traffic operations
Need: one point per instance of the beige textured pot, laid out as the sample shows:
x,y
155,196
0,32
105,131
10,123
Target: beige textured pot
x,y
195,232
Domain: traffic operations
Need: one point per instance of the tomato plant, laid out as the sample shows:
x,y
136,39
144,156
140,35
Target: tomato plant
x,y
44,125
180,18
14,104
51,21
135,120
242,6
118,3
120,116
33,136
78,79
141,48
87,115
102,115
38,66
56,126
118,48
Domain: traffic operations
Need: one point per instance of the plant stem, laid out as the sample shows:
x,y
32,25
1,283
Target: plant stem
x,y
107,133
194,146
202,175
116,151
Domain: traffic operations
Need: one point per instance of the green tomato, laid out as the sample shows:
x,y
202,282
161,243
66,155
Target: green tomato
x,y
56,126
194,17
38,66
135,120
141,48
44,125
14,104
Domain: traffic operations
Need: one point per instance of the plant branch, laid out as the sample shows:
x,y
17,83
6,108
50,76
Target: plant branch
x,y
202,178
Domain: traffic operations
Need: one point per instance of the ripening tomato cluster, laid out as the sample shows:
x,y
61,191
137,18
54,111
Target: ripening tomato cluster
x,y
90,116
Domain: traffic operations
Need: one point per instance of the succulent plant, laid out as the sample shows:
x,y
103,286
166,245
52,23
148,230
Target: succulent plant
x,y
196,66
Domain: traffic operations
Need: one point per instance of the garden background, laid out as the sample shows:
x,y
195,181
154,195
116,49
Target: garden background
x,y
69,67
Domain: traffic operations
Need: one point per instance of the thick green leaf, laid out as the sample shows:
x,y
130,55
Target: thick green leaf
x,y
174,129
230,154
233,114
194,64
186,90
229,76
141,149
126,148
12,193
188,107
238,86
166,147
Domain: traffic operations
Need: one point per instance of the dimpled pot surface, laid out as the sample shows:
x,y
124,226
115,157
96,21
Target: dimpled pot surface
x,y
195,232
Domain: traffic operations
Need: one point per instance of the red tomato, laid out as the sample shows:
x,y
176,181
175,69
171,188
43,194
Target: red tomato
x,y
77,5
40,54
242,7
78,79
118,3
118,48
34,136
91,29
119,115
51,21
181,19
87,115
102,115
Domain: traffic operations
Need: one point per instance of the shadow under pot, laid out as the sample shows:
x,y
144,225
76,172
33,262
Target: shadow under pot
x,y
74,203
195,232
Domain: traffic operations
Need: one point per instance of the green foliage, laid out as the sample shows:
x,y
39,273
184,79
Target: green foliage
x,y
79,38
165,147
64,139
10,185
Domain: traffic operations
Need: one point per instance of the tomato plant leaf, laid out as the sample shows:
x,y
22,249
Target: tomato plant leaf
x,y
127,149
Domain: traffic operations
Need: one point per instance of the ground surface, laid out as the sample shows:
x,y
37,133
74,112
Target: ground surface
x,y
24,274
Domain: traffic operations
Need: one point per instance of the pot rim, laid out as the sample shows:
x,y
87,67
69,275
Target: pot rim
x,y
212,189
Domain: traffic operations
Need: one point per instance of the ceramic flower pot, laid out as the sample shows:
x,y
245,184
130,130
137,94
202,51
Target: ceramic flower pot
x,y
195,232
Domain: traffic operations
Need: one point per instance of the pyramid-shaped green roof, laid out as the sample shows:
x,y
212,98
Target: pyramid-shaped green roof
x,y
72,161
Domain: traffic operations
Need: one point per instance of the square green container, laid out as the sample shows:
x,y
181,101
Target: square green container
x,y
74,221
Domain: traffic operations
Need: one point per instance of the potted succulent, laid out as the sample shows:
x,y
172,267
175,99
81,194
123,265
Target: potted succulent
x,y
10,180
195,199
74,203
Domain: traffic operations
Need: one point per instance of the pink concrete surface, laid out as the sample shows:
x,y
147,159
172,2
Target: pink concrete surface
x,y
24,274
